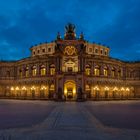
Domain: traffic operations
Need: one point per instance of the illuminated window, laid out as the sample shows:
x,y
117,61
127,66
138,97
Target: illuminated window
x,y
34,71
105,71
27,72
43,70
96,71
87,70
87,87
119,73
52,69
12,88
52,87
97,92
113,72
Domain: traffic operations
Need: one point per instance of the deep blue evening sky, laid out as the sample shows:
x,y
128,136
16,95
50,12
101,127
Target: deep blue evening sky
x,y
115,23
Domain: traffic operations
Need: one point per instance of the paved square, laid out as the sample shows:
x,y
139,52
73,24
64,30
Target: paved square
x,y
41,120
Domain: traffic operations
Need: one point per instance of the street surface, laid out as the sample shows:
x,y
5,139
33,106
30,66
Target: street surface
x,y
48,120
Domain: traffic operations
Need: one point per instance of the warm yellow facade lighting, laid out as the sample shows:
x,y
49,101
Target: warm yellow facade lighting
x,y
127,89
106,88
96,88
34,71
87,87
43,71
105,72
96,71
43,87
12,88
32,88
74,91
27,73
52,71
122,88
17,88
70,85
65,90
115,88
87,71
52,87
24,88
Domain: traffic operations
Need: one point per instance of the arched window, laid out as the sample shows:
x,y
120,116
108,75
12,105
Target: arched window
x,y
119,73
97,92
20,73
97,71
52,87
87,70
101,51
27,72
42,70
96,50
87,87
34,71
52,69
105,52
106,90
113,72
105,71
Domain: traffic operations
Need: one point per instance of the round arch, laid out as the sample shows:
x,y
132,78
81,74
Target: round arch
x,y
70,89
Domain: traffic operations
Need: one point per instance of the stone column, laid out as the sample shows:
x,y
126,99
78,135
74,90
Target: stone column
x,y
37,70
30,70
102,70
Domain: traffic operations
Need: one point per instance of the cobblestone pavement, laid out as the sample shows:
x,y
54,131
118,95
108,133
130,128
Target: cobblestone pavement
x,y
70,121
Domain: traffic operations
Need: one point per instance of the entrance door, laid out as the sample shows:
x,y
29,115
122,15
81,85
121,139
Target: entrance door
x,y
33,93
70,93
42,93
70,89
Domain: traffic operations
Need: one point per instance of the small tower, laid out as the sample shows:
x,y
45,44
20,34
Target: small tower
x,y
81,37
70,32
58,36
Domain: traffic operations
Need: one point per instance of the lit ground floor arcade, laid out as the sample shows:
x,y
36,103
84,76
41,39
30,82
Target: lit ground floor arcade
x,y
70,90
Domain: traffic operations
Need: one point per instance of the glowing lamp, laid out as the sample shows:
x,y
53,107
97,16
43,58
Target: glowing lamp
x,y
122,89
127,89
17,88
24,88
106,88
12,88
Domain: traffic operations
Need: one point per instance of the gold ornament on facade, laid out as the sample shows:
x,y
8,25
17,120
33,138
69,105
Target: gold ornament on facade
x,y
70,50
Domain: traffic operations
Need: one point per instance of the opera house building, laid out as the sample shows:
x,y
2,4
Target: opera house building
x,y
70,68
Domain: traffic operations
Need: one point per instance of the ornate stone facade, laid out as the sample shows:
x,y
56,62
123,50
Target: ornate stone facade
x,y
70,68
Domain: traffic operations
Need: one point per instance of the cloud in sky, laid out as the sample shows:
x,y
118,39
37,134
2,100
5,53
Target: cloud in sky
x,y
24,23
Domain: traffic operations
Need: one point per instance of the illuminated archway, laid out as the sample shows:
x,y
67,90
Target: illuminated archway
x,y
70,89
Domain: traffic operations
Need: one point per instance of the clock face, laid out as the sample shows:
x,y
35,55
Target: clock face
x,y
70,50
